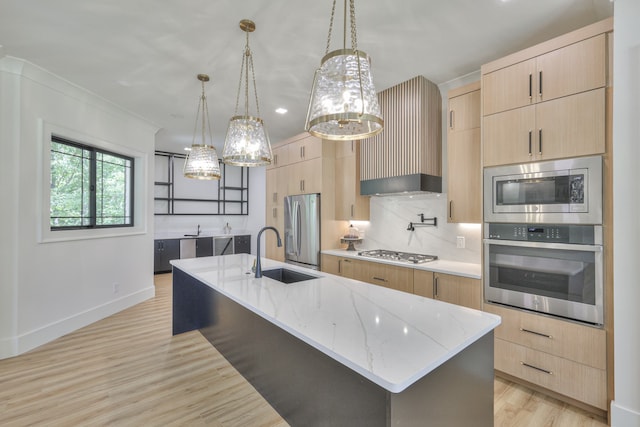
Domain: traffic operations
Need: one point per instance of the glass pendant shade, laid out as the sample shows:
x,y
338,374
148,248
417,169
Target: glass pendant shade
x,y
247,142
344,103
202,163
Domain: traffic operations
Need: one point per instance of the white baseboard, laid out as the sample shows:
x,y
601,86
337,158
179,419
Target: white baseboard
x,y
624,417
15,346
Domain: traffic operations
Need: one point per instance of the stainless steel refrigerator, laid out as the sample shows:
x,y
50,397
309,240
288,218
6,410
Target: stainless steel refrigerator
x,y
302,230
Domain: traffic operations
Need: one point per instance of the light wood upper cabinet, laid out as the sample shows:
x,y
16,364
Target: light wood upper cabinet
x,y
463,155
508,88
575,68
548,101
565,127
305,177
280,156
307,148
509,137
571,126
350,205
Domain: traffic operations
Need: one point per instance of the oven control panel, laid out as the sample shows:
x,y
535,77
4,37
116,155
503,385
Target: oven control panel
x,y
549,233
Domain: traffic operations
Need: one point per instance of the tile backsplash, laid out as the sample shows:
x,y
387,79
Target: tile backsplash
x,y
390,216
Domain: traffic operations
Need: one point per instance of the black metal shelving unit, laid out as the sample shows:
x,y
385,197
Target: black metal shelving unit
x,y
228,193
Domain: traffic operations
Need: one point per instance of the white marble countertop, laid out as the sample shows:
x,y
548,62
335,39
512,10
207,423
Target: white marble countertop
x,y
181,235
392,338
473,271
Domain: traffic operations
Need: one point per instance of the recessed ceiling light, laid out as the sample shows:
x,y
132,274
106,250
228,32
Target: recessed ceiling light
x,y
187,148
281,110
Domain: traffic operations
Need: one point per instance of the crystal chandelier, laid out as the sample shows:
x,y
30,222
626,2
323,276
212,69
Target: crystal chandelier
x,y
344,103
202,160
247,142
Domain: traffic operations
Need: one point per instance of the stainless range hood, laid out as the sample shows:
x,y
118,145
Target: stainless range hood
x,y
407,156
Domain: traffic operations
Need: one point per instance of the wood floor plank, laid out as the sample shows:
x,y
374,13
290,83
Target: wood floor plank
x,y
128,370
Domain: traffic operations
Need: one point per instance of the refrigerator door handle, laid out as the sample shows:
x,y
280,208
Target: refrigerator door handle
x,y
298,229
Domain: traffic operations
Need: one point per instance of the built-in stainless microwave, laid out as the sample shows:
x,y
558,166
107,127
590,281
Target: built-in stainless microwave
x,y
565,191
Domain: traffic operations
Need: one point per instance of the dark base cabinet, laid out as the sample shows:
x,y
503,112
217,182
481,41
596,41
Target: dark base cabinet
x,y
165,251
242,244
204,246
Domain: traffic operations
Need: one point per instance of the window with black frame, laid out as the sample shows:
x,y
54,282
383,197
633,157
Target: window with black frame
x,y
89,187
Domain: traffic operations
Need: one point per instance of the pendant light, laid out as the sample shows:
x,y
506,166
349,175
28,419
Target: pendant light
x,y
247,142
202,160
344,103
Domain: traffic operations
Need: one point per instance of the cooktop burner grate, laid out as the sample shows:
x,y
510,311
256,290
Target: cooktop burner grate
x,y
398,256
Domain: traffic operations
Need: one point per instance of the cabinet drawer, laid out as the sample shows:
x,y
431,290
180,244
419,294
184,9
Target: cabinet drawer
x,y
563,376
583,344
390,276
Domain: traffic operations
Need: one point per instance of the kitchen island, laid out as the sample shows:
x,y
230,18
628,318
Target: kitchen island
x,y
335,351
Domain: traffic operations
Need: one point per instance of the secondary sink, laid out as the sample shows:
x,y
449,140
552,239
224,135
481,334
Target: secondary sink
x,y
285,275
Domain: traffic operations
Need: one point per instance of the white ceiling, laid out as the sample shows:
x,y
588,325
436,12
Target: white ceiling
x,y
144,54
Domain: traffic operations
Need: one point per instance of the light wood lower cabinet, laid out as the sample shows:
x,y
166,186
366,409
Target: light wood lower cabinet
x,y
565,357
343,266
444,287
389,276
563,376
448,288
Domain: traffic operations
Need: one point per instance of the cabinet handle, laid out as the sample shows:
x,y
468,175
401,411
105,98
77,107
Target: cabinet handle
x,y
275,196
274,211
339,266
380,279
530,135
352,212
536,368
352,146
530,86
540,84
450,209
451,119
540,334
275,160
435,287
540,141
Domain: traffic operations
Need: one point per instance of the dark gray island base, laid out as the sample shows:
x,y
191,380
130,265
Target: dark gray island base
x,y
309,388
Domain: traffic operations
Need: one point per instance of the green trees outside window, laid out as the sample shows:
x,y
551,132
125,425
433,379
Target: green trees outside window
x,y
90,187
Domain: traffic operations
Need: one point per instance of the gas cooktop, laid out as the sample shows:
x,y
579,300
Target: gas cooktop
x,y
398,256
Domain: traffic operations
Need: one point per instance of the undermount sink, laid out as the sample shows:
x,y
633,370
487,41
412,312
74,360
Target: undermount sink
x,y
285,275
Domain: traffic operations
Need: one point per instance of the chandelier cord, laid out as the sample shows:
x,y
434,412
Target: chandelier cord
x,y
195,125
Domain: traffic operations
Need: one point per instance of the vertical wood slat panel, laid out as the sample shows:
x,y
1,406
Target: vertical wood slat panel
x,y
411,140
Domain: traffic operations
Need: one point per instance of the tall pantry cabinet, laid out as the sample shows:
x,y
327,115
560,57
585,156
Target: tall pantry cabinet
x,y
553,101
463,155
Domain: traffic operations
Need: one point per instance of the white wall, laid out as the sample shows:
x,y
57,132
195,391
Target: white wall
x,y
52,284
625,409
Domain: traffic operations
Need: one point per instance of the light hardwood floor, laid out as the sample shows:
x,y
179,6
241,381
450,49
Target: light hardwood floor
x,y
128,370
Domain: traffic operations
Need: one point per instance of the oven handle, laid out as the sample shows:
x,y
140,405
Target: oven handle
x,y
562,246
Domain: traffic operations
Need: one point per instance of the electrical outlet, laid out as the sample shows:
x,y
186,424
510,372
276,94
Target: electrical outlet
x,y
460,242
116,287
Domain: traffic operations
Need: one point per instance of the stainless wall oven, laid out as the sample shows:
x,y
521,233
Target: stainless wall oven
x,y
559,191
552,269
